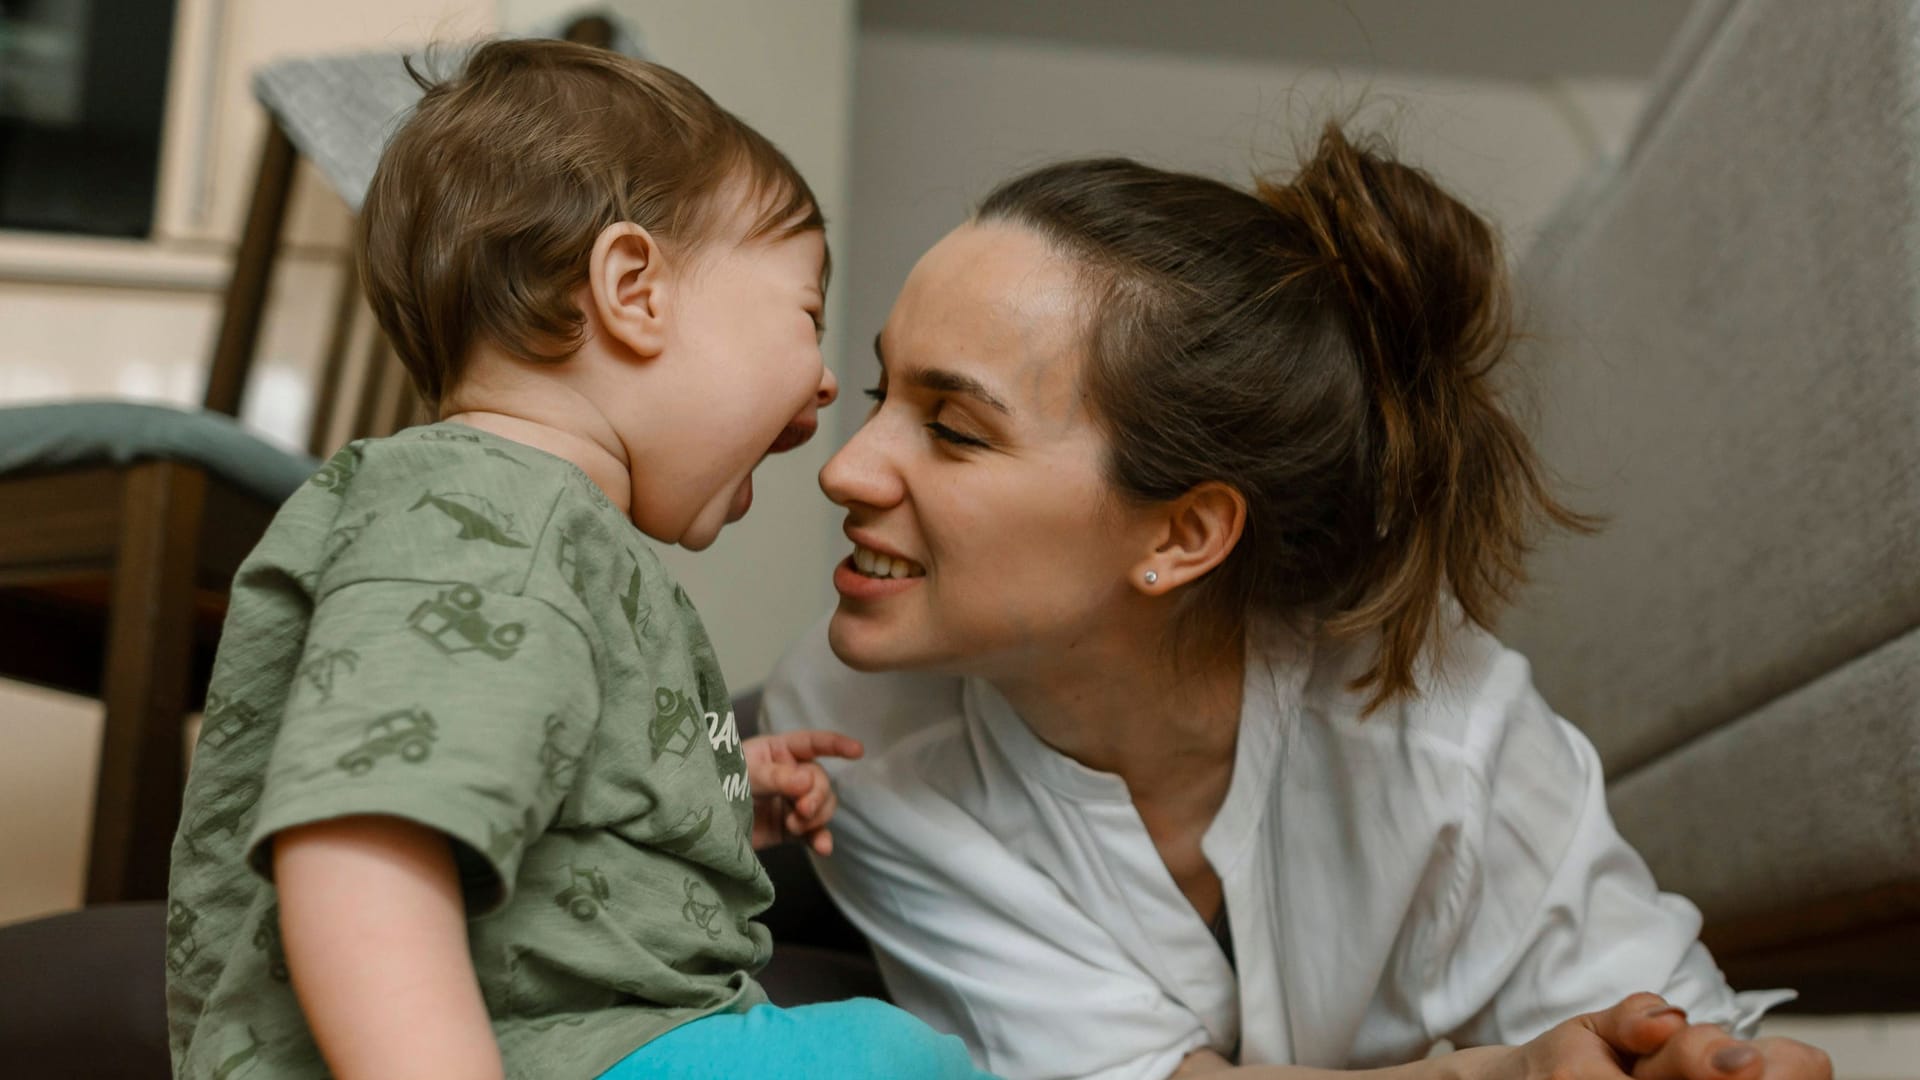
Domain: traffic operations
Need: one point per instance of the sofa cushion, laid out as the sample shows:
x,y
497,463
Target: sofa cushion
x,y
1810,804
1726,334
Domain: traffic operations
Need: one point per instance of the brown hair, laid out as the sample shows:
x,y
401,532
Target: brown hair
x,y
486,204
1323,346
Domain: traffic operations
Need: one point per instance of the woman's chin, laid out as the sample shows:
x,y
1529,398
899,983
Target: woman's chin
x,y
862,642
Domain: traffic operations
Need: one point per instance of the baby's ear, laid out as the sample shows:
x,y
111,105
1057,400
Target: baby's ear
x,y
627,285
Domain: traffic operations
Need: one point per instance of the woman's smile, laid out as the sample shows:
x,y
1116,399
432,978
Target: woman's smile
x,y
873,572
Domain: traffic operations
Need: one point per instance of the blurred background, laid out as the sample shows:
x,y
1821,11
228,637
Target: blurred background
x,y
129,138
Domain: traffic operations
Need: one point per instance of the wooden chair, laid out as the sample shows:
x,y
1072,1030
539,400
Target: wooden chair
x,y
126,522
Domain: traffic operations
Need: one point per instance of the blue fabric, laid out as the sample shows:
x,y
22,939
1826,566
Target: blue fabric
x,y
861,1039
71,434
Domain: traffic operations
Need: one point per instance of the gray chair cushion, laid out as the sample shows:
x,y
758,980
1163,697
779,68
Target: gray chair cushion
x,y
75,434
339,111
1727,334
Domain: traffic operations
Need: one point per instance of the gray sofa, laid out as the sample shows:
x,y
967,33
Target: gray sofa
x,y
1725,337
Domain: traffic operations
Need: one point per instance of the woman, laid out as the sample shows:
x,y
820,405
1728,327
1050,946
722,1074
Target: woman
x,y
1178,525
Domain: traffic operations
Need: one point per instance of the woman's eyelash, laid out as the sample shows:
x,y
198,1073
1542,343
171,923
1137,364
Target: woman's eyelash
x,y
946,434
934,427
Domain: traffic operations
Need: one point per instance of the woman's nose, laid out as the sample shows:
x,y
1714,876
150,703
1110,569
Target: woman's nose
x,y
829,388
861,473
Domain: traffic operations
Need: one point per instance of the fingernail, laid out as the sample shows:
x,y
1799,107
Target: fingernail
x,y
1733,1058
1666,1010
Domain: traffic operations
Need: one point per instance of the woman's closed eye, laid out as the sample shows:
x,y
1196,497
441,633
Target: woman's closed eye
x,y
934,427
948,435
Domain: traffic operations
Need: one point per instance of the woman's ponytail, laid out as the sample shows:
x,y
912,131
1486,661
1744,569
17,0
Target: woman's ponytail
x,y
1460,493
1323,346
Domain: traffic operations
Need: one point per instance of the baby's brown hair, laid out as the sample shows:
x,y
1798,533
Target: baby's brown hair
x,y
482,215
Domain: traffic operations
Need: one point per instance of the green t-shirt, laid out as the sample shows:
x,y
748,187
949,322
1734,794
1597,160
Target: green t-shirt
x,y
462,631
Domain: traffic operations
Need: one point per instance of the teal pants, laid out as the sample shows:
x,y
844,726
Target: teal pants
x,y
862,1039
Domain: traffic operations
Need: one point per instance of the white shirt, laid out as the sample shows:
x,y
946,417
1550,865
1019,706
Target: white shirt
x,y
1445,868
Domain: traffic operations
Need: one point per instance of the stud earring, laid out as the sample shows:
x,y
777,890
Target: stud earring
x,y
1152,577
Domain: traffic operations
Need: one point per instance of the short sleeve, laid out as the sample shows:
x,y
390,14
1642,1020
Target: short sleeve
x,y
462,709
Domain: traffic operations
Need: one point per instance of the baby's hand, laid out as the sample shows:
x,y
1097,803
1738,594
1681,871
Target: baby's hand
x,y
792,797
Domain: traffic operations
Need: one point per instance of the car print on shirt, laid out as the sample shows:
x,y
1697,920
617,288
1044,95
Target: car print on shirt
x,y
452,623
702,908
225,721
182,945
557,767
338,471
677,723
230,811
586,894
408,733
266,938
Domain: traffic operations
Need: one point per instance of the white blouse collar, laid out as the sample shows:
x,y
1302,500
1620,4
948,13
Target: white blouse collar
x,y
1278,662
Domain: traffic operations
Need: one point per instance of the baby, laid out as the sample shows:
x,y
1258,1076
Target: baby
x,y
469,800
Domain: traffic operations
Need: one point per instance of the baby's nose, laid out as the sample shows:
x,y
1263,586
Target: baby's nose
x,y
829,388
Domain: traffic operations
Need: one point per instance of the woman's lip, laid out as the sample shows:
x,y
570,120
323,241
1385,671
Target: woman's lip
x,y
854,585
793,435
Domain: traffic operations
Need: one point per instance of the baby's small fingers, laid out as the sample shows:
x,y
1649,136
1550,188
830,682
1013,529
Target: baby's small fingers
x,y
792,781
822,843
807,745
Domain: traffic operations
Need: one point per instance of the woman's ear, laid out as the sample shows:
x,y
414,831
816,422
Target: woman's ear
x,y
1198,532
627,286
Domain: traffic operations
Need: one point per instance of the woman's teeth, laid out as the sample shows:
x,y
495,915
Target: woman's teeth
x,y
874,564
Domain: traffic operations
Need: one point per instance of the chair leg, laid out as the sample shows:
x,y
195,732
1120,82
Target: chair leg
x,y
149,646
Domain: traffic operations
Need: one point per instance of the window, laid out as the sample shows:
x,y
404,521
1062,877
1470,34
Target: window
x,y
82,90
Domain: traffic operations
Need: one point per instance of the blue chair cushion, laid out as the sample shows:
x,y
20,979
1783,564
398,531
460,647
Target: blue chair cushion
x,y
75,434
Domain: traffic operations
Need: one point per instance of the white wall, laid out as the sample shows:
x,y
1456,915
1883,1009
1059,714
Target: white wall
x,y
938,119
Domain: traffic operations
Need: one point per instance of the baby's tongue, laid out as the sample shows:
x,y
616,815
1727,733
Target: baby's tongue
x,y
742,501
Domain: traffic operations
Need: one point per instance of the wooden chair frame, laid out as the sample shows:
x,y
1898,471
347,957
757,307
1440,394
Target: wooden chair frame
x,y
113,580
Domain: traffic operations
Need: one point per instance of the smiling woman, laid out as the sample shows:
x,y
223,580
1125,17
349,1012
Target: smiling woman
x,y
1189,509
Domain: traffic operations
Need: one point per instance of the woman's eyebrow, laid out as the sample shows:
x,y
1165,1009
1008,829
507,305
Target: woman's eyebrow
x,y
952,382
943,381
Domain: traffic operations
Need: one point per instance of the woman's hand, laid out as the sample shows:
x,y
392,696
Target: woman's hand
x,y
792,797
1705,1052
1645,1038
